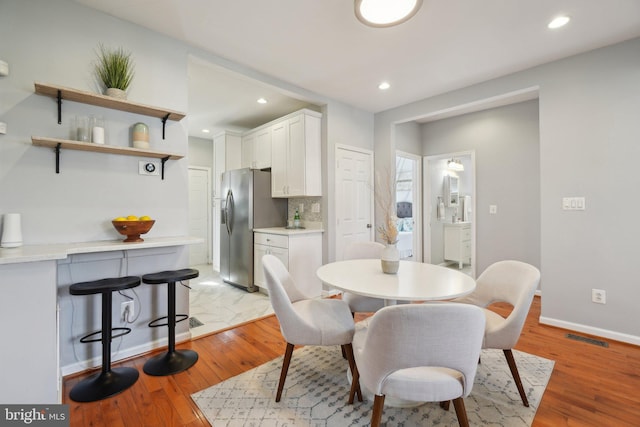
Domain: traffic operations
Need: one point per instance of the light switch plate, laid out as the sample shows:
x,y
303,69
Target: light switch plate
x,y
3,128
573,203
4,68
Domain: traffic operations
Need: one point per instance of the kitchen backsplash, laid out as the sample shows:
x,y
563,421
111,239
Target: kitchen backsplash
x,y
306,214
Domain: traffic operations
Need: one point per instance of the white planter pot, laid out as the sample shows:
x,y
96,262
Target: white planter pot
x,y
390,259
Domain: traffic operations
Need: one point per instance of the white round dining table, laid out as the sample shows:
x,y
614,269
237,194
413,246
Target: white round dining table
x,y
414,281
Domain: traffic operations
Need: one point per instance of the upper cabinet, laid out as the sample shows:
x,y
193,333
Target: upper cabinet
x,y
295,155
226,156
256,148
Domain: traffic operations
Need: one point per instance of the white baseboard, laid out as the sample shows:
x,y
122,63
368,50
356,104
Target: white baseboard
x,y
122,354
604,333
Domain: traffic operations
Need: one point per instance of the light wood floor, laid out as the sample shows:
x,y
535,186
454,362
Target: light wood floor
x,y
590,385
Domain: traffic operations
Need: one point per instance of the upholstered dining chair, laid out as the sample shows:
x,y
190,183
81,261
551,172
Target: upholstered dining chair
x,y
515,283
362,250
419,352
304,320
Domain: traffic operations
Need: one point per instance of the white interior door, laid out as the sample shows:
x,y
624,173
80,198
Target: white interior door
x,y
199,214
354,197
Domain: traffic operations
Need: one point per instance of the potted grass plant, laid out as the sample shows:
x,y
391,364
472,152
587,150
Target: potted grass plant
x,y
115,69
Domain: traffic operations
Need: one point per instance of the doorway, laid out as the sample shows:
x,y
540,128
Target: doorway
x,y
449,213
199,214
408,205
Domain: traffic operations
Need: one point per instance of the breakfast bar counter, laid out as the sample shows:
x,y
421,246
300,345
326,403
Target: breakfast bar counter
x,y
40,322
32,253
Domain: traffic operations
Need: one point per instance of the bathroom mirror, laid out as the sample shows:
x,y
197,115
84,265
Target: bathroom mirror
x,y
451,192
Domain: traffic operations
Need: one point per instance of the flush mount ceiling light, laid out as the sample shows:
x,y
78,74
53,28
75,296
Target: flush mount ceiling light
x,y
455,165
384,86
558,22
262,101
386,13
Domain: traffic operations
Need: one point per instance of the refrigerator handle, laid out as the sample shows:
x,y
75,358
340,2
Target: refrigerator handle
x,y
230,211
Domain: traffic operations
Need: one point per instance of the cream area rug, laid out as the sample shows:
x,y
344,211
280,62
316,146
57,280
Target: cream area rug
x,y
317,389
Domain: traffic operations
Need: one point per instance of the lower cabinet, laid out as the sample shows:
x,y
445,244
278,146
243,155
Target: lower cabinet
x,y
457,243
300,252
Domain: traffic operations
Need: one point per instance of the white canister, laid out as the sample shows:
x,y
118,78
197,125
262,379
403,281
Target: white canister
x,y
140,136
97,129
11,231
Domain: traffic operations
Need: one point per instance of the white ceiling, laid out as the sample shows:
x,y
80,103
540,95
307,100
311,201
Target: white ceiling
x,y
320,46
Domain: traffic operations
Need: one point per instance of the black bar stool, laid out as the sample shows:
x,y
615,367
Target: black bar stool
x,y
109,381
173,361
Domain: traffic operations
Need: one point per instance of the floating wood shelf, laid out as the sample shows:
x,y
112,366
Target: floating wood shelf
x,y
58,144
84,97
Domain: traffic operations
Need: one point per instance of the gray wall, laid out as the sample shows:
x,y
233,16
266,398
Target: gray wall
x,y
506,144
55,42
201,152
589,147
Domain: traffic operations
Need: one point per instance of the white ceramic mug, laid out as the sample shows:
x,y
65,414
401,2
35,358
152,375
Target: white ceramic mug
x,y
11,231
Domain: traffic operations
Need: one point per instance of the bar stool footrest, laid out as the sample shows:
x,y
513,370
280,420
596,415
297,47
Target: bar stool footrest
x,y
85,339
170,363
179,318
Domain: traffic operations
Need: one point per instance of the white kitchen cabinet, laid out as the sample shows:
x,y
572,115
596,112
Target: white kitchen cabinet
x,y
296,155
226,156
457,243
248,143
256,148
300,252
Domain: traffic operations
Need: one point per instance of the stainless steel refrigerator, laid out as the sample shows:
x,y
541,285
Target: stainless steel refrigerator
x,y
247,204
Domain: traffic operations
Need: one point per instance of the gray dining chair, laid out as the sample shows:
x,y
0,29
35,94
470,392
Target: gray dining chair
x,y
515,283
304,320
419,352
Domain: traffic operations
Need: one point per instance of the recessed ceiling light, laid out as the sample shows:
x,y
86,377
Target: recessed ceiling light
x,y
386,13
262,101
384,86
558,22
205,130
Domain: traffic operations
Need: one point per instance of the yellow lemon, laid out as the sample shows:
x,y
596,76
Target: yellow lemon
x,y
132,218
145,218
120,218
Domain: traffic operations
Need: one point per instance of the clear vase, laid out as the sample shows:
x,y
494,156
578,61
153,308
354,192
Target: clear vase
x,y
390,259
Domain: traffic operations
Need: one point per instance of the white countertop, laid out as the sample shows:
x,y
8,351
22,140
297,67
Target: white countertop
x,y
32,253
457,224
288,231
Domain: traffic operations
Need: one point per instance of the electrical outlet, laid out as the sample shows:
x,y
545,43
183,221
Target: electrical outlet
x,y
315,207
127,311
301,207
599,296
493,209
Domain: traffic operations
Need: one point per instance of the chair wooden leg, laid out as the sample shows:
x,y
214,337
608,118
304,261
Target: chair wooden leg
x,y
376,414
516,376
355,376
285,368
445,405
461,412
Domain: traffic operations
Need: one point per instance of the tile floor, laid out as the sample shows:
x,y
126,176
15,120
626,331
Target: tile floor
x,y
219,306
